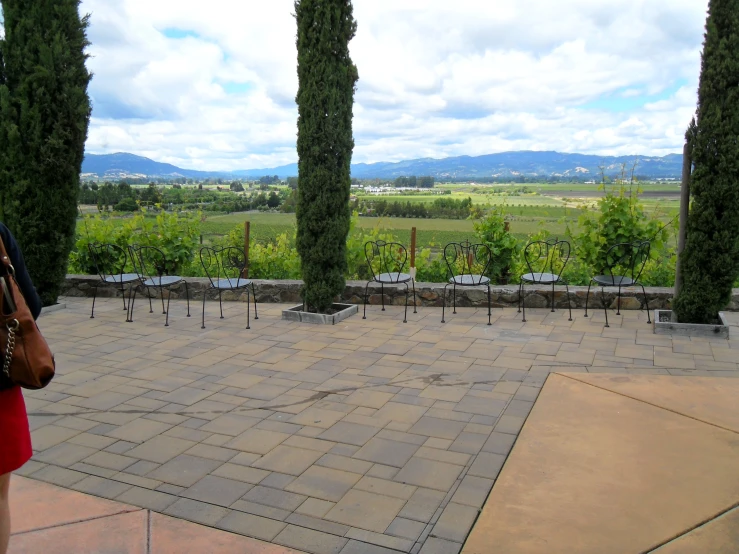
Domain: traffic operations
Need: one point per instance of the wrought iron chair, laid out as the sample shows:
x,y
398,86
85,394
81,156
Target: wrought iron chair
x,y
467,264
387,261
225,268
625,263
110,263
153,269
546,261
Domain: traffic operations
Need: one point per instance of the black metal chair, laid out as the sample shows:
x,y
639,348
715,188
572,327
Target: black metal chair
x,y
387,261
467,264
154,271
546,261
110,263
625,263
225,268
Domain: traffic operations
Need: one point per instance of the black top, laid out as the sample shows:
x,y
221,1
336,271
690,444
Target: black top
x,y
21,273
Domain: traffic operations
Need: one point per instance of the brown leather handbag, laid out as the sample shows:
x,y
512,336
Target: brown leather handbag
x,y
26,357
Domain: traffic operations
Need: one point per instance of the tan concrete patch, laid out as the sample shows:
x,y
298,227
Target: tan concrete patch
x,y
621,476
718,536
709,399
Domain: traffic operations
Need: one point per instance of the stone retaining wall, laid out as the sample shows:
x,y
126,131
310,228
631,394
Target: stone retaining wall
x,y
427,294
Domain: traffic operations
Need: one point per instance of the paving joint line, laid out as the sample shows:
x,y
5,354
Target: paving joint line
x,y
651,404
135,509
691,529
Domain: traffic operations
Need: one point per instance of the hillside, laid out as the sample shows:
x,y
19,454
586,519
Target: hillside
x,y
503,165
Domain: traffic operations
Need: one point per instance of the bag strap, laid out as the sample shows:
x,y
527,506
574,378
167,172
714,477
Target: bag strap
x,y
5,259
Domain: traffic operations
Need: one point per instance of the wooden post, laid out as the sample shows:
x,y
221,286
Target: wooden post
x,y
247,230
684,211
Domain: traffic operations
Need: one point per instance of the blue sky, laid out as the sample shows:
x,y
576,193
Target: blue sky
x,y
212,86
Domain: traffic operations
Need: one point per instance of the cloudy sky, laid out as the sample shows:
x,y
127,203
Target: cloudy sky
x,y
211,85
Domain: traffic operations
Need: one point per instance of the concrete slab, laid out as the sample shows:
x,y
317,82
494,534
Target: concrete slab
x,y
718,536
595,471
708,399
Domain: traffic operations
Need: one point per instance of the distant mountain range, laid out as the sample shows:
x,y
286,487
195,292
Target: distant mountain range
x,y
502,165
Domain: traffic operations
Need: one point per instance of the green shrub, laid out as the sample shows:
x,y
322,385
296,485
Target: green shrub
x,y
491,231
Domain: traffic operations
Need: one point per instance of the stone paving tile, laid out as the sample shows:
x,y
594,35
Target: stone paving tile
x,y
372,436
324,483
366,510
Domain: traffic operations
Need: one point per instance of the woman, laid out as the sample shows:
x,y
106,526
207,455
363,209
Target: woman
x,y
15,444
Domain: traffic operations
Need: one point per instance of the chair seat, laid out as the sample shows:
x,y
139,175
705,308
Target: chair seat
x,y
470,280
163,281
392,278
613,281
547,278
230,283
122,279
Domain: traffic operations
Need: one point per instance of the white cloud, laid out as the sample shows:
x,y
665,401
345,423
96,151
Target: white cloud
x,y
437,78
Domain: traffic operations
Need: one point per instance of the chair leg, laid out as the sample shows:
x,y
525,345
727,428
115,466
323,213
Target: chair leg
x,y
382,295
187,296
552,296
248,308
523,301
405,314
169,297
94,295
254,294
202,326
151,309
413,281
489,313
220,302
454,298
130,292
586,299
618,305
520,286
161,293
569,302
364,314
605,304
123,297
646,301
443,303
131,304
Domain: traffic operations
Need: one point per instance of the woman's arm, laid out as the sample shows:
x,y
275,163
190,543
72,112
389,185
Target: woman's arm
x,y
21,273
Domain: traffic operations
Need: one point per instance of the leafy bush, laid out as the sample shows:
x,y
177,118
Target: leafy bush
x,y
491,230
177,235
620,217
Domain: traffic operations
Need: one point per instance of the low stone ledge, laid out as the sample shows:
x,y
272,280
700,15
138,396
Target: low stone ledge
x,y
427,294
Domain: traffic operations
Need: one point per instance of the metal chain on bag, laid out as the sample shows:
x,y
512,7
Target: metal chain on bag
x,y
12,328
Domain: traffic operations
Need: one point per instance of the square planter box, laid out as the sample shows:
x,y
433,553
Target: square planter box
x,y
672,327
343,311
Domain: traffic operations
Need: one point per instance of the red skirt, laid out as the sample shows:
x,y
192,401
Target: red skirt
x,y
15,437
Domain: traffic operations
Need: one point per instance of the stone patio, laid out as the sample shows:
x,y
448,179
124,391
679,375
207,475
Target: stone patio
x,y
360,437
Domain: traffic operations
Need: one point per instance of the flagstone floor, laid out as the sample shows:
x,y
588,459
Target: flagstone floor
x,y
368,436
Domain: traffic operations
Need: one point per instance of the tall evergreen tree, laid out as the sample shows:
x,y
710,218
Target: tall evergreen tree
x,y
710,260
326,78
44,116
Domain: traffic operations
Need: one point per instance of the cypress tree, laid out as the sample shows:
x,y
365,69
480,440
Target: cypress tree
x,y
710,261
44,116
326,79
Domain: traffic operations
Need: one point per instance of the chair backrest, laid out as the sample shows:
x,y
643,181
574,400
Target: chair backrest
x,y
547,256
109,259
627,259
149,262
467,259
386,258
226,262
